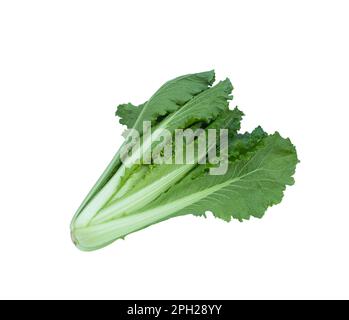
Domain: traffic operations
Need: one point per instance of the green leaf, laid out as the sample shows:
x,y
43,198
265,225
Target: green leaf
x,y
251,185
157,178
241,144
128,113
205,107
169,98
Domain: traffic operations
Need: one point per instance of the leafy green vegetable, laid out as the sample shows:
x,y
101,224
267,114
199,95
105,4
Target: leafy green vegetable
x,y
169,98
133,194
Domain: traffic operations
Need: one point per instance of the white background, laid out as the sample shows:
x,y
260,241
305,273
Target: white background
x,y
65,65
